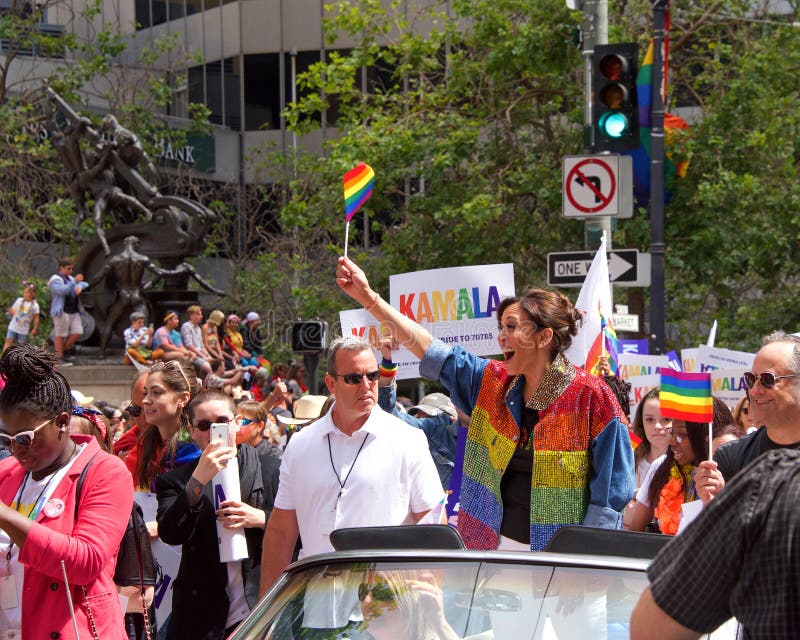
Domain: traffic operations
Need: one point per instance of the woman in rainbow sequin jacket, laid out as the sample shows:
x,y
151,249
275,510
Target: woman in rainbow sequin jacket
x,y
548,444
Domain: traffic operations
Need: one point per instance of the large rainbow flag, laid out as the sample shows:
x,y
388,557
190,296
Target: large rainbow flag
x,y
686,396
672,124
357,188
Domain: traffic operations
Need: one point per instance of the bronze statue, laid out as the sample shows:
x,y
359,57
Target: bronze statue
x,y
110,168
126,271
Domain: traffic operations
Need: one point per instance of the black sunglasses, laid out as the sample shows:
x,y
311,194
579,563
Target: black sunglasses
x,y
767,379
355,378
134,410
205,425
380,592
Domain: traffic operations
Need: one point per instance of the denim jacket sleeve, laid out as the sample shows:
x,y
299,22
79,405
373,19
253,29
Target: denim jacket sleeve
x,y
458,370
612,484
387,399
61,288
440,429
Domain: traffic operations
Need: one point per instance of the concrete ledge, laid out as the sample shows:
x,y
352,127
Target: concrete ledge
x,y
109,382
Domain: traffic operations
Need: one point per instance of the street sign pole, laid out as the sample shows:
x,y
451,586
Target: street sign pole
x,y
595,31
657,246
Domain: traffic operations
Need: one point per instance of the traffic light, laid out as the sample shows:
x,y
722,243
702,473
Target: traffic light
x,y
310,336
615,114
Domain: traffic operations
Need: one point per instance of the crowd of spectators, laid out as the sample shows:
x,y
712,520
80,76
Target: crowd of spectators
x,y
194,374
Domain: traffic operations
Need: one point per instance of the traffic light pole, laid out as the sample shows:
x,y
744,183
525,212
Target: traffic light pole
x,y
594,32
657,245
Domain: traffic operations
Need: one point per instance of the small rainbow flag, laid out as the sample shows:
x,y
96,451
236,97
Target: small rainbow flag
x,y
686,396
357,188
604,345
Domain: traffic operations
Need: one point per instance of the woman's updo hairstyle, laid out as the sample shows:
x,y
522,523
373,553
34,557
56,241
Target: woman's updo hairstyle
x,y
32,383
548,310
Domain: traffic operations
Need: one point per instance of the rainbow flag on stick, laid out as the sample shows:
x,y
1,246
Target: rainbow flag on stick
x,y
686,396
357,188
605,345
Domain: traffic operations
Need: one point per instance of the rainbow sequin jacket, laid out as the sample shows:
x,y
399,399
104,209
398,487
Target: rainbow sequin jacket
x,y
583,468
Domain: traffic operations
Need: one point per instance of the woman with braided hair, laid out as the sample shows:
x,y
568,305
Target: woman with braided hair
x,y
43,533
669,483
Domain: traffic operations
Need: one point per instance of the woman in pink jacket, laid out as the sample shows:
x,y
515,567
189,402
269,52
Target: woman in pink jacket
x,y
41,537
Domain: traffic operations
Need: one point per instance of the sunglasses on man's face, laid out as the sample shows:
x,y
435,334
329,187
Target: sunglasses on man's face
x,y
355,378
205,425
23,438
767,379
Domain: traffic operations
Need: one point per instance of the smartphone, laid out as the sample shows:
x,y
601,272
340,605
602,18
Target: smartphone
x,y
221,431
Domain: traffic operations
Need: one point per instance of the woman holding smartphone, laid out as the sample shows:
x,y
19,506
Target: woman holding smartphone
x,y
210,597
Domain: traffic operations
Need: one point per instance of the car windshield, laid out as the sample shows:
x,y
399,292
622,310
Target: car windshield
x,y
444,600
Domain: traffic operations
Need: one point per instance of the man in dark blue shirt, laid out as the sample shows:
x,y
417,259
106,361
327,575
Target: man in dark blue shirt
x,y
774,388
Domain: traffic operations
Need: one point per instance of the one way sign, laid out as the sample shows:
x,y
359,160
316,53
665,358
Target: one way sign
x,y
626,267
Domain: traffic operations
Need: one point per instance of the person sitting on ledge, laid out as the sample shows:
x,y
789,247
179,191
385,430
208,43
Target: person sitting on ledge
x,y
168,338
138,339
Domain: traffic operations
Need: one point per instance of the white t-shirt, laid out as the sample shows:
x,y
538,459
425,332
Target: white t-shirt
x,y
644,488
392,477
32,497
23,315
641,471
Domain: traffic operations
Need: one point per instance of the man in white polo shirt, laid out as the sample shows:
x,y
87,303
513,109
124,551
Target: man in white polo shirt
x,y
355,466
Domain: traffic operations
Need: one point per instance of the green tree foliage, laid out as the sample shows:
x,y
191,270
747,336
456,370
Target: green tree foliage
x,y
37,205
465,127
465,109
732,225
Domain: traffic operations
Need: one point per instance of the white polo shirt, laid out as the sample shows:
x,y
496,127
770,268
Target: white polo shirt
x,y
393,477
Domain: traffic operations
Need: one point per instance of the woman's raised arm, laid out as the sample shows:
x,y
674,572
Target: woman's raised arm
x,y
353,281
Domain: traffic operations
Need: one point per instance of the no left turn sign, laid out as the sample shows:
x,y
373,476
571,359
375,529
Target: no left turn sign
x,y
591,186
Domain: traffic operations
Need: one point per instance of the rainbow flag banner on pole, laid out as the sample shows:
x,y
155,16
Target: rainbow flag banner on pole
x,y
357,188
686,396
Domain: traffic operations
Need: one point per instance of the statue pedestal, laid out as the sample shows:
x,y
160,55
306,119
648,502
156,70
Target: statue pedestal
x,y
162,301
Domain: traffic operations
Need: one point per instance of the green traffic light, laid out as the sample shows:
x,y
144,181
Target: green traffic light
x,y
613,124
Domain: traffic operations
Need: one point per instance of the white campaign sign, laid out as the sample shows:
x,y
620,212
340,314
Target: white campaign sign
x,y
456,304
689,360
710,358
168,556
640,386
358,322
635,364
728,385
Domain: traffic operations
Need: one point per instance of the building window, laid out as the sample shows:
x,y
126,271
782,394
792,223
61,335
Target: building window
x,y
262,92
221,91
303,61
